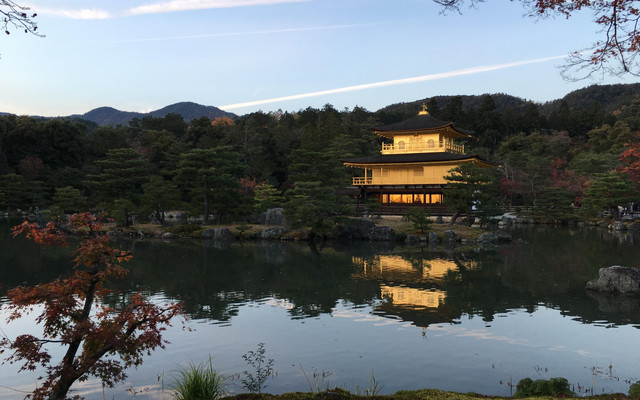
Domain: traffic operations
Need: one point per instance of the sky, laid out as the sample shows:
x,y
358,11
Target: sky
x,y
248,55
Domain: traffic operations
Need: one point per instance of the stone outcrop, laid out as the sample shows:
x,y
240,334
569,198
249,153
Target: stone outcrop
x,y
273,233
217,234
617,279
494,237
412,240
356,229
433,237
274,216
451,236
382,233
617,226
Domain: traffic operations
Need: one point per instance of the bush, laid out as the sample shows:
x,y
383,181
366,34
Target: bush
x,y
200,382
540,387
634,390
420,219
183,230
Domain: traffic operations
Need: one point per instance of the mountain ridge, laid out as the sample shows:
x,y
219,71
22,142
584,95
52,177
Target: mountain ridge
x,y
608,97
187,109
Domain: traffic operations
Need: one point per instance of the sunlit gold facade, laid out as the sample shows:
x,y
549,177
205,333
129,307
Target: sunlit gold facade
x,y
410,171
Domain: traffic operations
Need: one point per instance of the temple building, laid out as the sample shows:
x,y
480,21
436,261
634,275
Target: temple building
x,y
411,170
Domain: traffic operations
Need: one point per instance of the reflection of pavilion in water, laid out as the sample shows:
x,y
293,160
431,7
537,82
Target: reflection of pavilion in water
x,y
411,287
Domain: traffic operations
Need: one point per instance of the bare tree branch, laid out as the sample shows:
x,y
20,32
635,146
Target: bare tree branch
x,y
615,54
15,16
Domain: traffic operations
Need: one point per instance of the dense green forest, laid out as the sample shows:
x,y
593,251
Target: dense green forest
x,y
553,157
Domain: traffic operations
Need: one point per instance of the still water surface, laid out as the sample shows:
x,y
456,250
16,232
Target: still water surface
x,y
463,319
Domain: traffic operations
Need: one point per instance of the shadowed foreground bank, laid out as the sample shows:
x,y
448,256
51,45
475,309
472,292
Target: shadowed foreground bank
x,y
424,394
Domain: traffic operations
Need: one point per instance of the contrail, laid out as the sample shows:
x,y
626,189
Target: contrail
x,y
210,35
431,77
186,5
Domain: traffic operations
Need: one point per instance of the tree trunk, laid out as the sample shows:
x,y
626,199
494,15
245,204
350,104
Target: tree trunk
x,y
69,373
454,218
205,219
62,388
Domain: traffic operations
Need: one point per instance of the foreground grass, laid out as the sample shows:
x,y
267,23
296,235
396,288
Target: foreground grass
x,y
425,394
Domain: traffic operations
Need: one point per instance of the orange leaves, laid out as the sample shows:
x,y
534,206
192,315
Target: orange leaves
x,y
630,159
47,236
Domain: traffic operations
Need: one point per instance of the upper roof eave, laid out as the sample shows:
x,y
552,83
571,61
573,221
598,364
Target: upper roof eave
x,y
415,158
419,123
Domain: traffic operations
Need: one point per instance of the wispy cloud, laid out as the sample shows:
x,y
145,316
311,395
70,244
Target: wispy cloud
x,y
159,7
186,5
226,34
76,14
423,78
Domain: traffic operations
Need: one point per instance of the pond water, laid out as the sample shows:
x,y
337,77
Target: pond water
x,y
464,319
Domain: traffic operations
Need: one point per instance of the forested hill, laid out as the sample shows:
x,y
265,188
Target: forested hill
x,y
110,116
587,143
608,97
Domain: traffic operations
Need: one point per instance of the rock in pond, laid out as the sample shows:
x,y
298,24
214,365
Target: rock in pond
x,y
617,279
169,236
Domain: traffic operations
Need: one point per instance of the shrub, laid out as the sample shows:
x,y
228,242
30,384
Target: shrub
x,y
200,382
256,380
183,230
420,218
540,387
634,390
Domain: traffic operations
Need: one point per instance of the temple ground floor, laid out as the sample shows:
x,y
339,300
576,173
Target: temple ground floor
x,y
397,199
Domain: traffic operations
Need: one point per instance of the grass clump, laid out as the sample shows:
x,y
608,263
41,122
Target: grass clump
x,y
198,382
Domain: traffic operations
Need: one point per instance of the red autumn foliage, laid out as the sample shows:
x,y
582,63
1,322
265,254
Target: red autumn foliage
x,y
630,159
99,340
562,177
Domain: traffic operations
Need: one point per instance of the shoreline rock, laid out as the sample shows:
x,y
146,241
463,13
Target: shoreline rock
x,y
617,278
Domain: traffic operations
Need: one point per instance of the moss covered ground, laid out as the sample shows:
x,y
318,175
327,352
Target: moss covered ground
x,y
425,394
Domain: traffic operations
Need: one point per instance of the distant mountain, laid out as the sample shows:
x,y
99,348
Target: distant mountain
x,y
109,116
188,111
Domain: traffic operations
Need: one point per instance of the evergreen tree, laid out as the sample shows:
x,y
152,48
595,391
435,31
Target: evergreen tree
x,y
472,190
607,191
159,195
211,178
266,196
122,173
69,200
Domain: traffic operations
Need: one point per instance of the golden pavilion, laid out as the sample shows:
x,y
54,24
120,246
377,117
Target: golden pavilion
x,y
410,170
